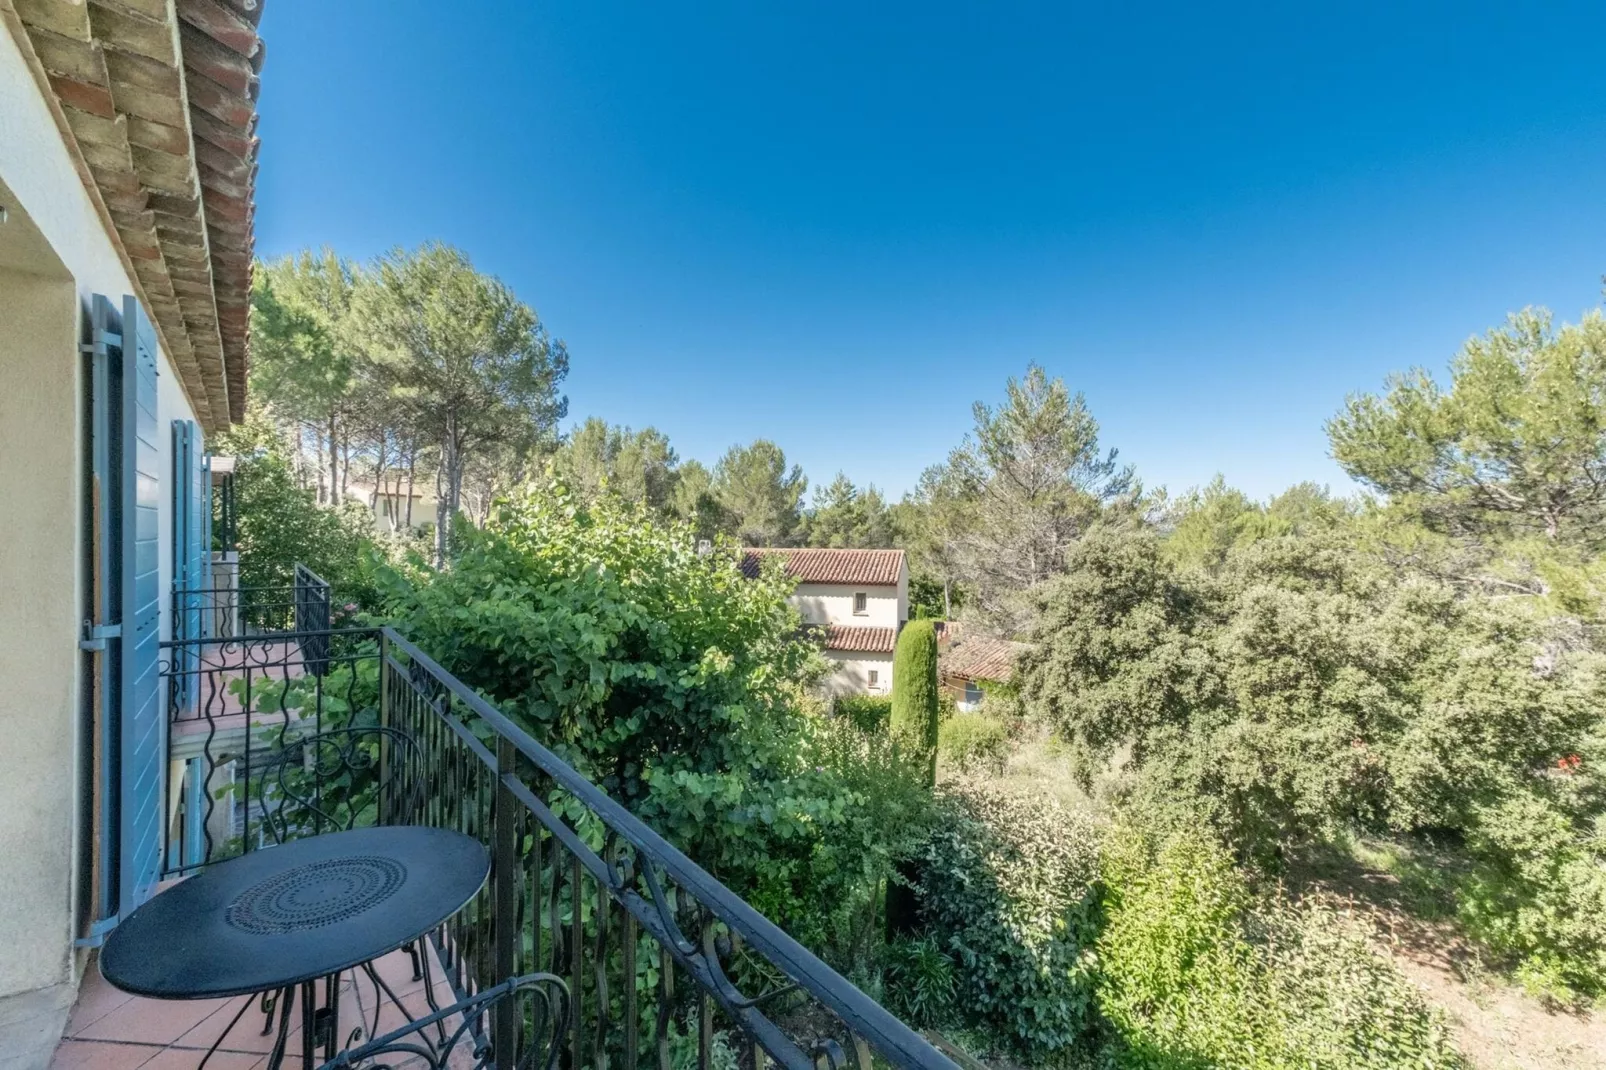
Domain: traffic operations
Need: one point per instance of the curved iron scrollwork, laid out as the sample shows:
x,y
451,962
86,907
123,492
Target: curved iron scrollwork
x,y
539,1001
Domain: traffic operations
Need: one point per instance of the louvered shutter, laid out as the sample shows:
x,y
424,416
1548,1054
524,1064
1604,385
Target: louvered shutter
x,y
190,572
143,727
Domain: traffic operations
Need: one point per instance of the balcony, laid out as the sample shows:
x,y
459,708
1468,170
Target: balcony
x,y
664,965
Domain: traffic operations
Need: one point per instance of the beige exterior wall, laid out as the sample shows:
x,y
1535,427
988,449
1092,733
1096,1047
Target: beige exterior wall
x,y
54,254
390,507
852,674
832,603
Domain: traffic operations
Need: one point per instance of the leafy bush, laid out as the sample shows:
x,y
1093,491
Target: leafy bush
x,y
973,741
1007,893
1304,688
869,713
1194,972
919,982
1537,896
886,815
676,685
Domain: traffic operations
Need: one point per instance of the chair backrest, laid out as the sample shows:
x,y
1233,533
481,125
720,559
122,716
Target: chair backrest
x,y
462,1036
339,779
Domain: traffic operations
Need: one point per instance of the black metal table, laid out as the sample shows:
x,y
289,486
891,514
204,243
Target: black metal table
x,y
280,919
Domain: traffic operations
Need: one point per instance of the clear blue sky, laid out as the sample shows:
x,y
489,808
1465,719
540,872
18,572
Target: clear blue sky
x,y
837,225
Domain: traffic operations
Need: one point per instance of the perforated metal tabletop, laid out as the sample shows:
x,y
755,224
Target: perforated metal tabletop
x,y
283,915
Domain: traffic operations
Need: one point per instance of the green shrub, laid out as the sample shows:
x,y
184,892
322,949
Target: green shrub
x,y
675,684
1195,972
919,982
1537,896
869,713
886,813
915,706
971,741
1007,893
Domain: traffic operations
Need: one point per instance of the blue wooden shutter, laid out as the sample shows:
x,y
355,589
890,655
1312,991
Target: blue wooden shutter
x,y
190,574
199,543
125,632
183,583
143,727
105,377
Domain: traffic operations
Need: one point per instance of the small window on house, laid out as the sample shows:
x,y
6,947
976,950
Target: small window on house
x,y
861,604
875,675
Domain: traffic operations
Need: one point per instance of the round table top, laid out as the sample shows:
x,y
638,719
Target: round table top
x,y
281,915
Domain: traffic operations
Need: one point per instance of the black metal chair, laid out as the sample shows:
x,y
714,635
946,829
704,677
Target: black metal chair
x,y
335,780
538,1003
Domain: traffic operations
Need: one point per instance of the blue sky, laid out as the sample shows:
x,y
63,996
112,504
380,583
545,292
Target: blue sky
x,y
838,225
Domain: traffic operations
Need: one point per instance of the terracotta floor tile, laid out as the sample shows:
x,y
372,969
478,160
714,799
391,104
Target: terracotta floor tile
x,y
96,999
189,1059
150,1021
100,1055
210,1028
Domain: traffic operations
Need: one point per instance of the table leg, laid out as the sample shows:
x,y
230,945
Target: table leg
x,y
224,1035
287,1002
309,1024
331,992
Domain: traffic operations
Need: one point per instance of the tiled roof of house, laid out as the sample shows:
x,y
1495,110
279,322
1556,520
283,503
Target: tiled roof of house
x,y
873,568
159,101
980,657
847,638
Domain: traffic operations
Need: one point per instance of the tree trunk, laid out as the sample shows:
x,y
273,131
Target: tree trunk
x,y
440,512
345,464
317,446
446,504
412,462
334,464
947,600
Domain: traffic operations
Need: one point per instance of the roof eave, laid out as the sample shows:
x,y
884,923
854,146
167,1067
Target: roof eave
x,y
157,103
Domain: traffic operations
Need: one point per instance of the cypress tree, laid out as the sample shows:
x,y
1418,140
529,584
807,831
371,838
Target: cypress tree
x,y
914,723
914,689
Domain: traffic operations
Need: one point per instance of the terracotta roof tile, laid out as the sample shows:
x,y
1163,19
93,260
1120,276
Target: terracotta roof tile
x,y
189,248
980,657
873,568
849,639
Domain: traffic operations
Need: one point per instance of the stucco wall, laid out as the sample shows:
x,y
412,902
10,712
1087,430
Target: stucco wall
x,y
852,674
832,603
38,621
54,254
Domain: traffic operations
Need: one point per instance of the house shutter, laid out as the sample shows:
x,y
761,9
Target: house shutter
x,y
143,728
190,571
124,631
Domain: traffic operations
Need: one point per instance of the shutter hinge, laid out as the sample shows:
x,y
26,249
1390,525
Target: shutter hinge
x,y
95,635
97,932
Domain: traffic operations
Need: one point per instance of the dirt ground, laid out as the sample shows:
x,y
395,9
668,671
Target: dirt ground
x,y
1498,1027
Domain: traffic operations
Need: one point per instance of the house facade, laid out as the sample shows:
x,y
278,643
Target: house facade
x,y
860,598
389,502
127,162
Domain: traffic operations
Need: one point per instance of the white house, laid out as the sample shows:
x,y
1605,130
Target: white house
x,y
861,600
127,162
391,508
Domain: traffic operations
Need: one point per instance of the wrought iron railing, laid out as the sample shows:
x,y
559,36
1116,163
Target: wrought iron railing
x,y
303,605
665,965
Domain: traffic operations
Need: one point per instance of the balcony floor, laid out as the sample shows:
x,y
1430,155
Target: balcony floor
x,y
111,1030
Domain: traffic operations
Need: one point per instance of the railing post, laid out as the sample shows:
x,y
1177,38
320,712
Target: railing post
x,y
505,1016
387,806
